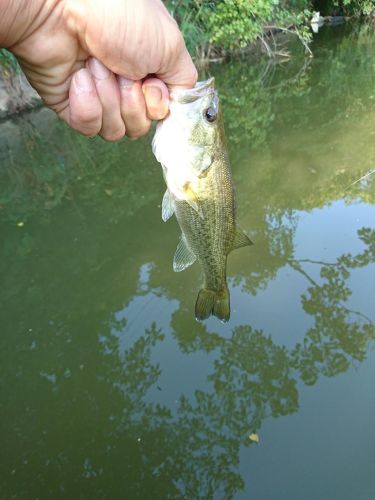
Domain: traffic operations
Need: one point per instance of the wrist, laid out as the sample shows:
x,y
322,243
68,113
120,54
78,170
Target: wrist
x,y
20,18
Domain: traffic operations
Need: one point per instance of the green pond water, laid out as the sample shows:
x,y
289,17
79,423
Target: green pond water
x,y
109,388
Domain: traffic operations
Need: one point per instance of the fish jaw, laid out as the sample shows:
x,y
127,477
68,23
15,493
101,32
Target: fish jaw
x,y
201,89
184,154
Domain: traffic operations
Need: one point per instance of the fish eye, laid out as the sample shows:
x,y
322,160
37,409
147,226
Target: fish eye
x,y
210,114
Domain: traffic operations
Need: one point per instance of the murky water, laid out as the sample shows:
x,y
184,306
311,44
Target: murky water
x,y
110,389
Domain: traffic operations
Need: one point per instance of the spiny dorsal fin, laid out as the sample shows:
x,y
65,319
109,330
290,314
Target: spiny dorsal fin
x,y
183,257
241,240
167,207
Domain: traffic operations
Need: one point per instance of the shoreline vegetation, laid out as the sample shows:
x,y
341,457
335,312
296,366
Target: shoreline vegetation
x,y
296,110
215,30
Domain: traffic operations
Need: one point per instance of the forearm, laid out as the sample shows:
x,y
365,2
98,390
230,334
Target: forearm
x,y
19,18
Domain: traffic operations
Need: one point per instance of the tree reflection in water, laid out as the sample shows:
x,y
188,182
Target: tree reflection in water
x,y
88,300
193,450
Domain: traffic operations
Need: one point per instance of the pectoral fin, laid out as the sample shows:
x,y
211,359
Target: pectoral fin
x,y
241,240
183,257
168,207
191,198
195,206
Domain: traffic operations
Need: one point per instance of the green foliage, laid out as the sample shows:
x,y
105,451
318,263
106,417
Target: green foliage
x,y
355,7
191,16
236,23
220,26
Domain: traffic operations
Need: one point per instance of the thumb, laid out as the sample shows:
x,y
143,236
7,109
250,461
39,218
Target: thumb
x,y
177,69
179,72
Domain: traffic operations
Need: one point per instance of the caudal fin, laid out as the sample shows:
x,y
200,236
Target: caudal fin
x,y
213,302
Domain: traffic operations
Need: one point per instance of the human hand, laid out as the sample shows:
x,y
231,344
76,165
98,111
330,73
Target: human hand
x,y
104,67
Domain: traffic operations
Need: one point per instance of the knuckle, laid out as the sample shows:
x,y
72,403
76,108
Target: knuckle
x,y
138,132
113,135
86,116
85,130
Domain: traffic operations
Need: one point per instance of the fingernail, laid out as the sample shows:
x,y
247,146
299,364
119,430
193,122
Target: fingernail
x,y
98,69
83,81
125,83
153,95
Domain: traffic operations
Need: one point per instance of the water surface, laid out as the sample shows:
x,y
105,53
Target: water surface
x,y
110,388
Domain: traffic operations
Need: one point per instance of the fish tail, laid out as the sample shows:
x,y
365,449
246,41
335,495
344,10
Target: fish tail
x,y
213,302
222,304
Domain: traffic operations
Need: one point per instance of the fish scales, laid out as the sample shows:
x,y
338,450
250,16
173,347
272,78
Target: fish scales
x,y
190,145
215,228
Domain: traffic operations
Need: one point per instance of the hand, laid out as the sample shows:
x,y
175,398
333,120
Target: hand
x,y
104,66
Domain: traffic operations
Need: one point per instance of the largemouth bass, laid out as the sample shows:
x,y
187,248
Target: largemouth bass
x,y
190,145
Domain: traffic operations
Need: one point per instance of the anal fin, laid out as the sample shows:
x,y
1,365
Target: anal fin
x,y
183,257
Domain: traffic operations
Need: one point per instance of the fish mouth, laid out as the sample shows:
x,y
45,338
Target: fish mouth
x,y
200,90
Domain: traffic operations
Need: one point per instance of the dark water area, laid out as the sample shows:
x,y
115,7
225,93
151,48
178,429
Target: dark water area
x,y
109,388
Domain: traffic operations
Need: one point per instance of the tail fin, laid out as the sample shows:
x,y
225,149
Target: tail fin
x,y
213,302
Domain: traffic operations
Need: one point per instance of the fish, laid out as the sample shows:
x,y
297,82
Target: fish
x,y
190,145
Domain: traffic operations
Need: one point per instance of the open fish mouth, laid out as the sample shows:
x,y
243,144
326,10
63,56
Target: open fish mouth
x,y
200,90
